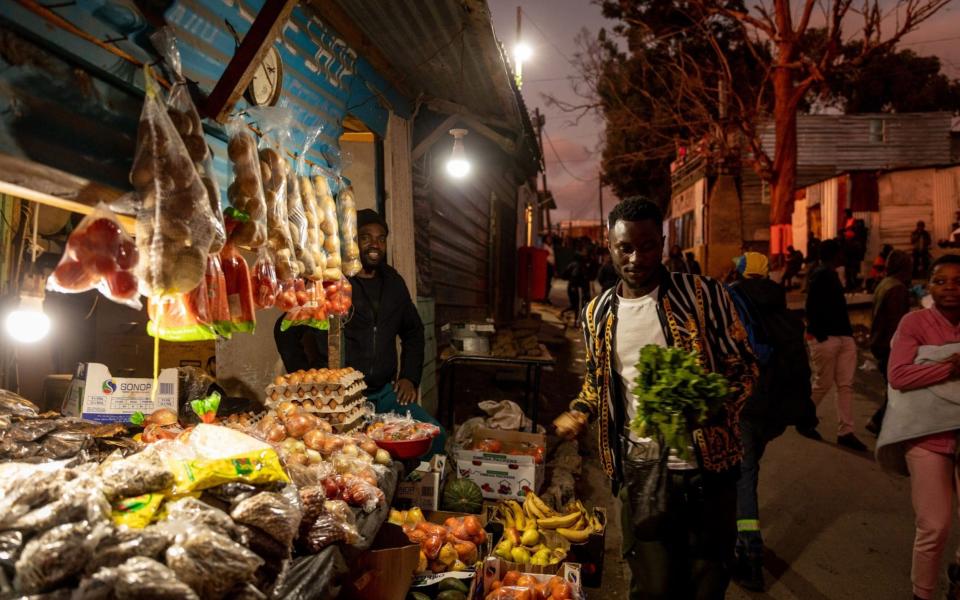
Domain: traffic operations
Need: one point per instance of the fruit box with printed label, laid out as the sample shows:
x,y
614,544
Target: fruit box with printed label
x,y
490,576
422,486
500,473
98,396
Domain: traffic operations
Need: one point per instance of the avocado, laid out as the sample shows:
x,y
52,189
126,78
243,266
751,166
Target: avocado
x,y
454,584
417,596
451,594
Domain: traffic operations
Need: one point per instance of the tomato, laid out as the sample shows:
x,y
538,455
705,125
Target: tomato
x,y
122,284
127,255
511,577
489,445
73,276
103,265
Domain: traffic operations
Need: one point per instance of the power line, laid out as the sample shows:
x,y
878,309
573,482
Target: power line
x,y
546,37
564,166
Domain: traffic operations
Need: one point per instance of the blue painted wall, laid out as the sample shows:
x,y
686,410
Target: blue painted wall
x,y
68,103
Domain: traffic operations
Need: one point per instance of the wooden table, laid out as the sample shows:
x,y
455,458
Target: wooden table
x,y
532,365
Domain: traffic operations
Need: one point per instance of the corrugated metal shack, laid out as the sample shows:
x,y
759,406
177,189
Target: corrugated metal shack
x,y
394,76
466,230
718,214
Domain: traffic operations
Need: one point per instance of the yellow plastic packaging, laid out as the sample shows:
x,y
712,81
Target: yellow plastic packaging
x,y
256,468
136,512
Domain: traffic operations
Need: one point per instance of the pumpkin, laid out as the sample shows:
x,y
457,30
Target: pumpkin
x,y
462,495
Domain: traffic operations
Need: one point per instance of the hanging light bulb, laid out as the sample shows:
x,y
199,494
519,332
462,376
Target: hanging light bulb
x,y
458,166
28,323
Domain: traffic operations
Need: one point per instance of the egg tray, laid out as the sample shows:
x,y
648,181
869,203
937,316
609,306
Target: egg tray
x,y
342,407
351,421
316,390
344,382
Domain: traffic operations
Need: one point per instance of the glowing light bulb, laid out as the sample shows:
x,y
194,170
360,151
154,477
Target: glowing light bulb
x,y
28,323
457,165
522,52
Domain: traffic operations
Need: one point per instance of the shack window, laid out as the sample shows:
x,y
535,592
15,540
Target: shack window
x,y
878,131
683,230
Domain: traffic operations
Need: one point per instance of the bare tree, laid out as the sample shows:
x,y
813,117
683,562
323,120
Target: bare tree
x,y
695,79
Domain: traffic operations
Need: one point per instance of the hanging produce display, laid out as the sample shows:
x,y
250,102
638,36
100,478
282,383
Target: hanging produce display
x,y
99,255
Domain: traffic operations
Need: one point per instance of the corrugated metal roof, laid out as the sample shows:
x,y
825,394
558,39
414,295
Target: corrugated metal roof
x,y
870,141
444,49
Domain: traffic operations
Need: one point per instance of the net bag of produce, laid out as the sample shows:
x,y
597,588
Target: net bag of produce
x,y
349,248
174,223
266,288
236,275
245,193
312,313
315,235
328,224
297,216
275,124
218,303
99,255
338,297
186,120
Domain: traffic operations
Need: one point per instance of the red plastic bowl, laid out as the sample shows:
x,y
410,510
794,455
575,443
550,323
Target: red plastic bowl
x,y
403,449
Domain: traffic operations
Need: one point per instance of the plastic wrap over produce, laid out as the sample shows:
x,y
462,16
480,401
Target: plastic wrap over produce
x,y
248,206
183,113
174,224
99,255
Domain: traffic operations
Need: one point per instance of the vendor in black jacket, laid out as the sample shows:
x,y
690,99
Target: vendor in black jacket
x,y
382,312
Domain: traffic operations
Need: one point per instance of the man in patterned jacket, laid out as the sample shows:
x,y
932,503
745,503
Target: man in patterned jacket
x,y
687,553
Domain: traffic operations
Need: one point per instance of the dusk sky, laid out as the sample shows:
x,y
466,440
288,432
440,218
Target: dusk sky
x,y
550,27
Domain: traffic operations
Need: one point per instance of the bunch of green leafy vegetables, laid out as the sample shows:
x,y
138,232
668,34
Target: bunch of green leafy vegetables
x,y
672,392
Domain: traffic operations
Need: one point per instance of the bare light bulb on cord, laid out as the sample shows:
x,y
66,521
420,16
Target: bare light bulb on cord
x,y
28,323
458,166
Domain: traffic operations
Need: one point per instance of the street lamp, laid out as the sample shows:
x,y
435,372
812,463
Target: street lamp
x,y
522,52
458,166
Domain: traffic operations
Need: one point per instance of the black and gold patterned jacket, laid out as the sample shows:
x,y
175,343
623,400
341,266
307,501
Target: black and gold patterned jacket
x,y
696,314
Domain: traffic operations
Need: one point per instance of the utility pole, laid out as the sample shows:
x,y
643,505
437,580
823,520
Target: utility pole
x,y
600,189
518,67
539,121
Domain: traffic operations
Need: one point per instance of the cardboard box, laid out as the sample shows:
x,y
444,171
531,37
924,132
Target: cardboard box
x,y
494,569
422,487
386,569
95,395
501,475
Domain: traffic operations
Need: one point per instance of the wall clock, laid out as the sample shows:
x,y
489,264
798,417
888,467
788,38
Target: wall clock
x,y
267,82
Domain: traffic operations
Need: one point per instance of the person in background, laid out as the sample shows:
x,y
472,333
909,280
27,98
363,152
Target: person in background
x,y
551,266
675,262
689,555
576,274
382,313
878,269
920,241
832,348
793,267
891,302
849,230
780,399
693,267
922,422
607,275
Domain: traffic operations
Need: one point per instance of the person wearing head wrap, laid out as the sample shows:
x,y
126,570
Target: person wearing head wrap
x,y
780,399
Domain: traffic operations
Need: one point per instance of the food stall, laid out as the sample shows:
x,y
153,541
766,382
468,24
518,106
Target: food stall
x,y
150,443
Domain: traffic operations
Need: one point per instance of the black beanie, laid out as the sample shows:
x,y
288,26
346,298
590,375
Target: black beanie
x,y
368,216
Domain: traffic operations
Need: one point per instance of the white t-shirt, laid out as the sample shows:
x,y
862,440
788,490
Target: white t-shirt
x,y
638,325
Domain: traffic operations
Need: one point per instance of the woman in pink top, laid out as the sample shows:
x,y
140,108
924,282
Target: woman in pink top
x,y
931,459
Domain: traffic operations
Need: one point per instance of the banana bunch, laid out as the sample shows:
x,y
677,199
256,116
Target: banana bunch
x,y
574,522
